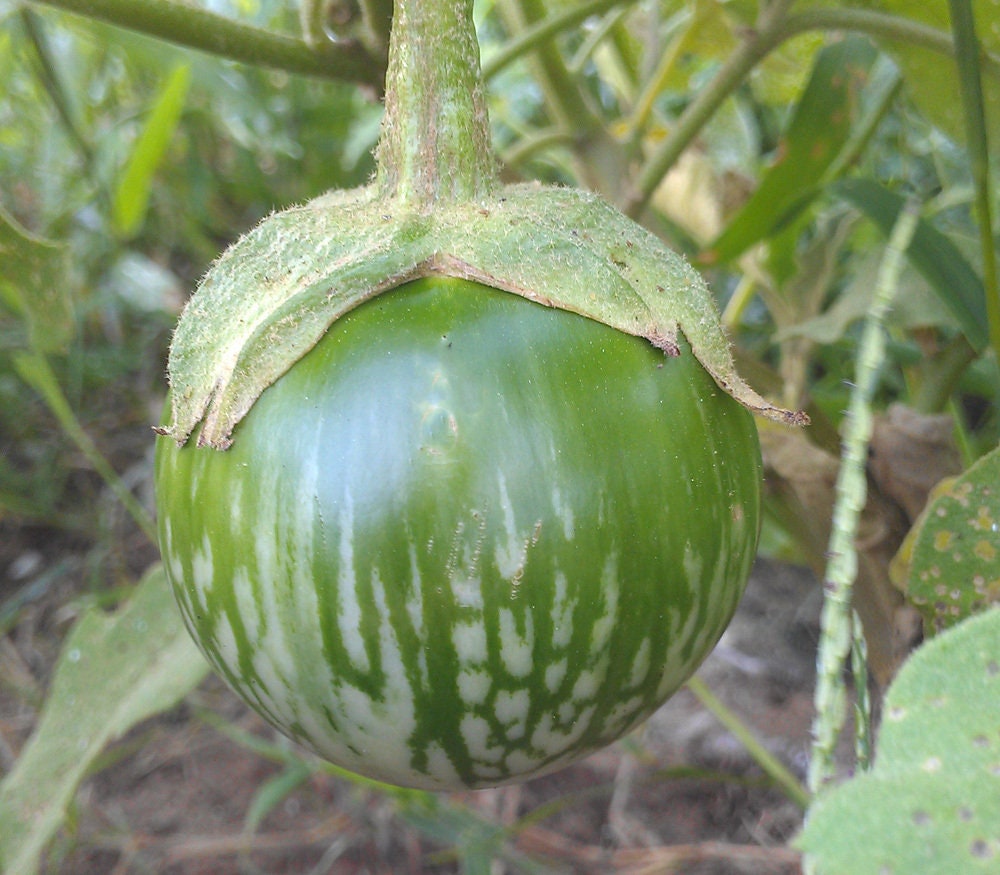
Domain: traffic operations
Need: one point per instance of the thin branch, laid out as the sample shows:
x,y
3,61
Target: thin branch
x,y
771,32
698,113
968,57
196,28
538,33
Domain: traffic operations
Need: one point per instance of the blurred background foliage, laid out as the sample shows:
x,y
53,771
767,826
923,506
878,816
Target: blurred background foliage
x,y
773,143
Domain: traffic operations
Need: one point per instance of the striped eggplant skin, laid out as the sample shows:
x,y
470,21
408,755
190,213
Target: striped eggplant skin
x,y
467,539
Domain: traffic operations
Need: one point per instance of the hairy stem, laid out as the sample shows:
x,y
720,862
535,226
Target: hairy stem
x,y
435,143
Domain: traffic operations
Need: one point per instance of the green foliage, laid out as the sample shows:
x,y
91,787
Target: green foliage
x,y
128,162
33,286
953,563
932,803
115,670
131,196
819,129
934,254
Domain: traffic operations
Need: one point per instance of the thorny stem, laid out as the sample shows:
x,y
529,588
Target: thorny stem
x,y
837,619
435,143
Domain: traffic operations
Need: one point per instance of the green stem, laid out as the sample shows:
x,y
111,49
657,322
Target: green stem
x,y
526,147
435,143
53,83
541,31
766,37
773,30
562,91
968,53
863,738
34,369
771,765
196,28
837,619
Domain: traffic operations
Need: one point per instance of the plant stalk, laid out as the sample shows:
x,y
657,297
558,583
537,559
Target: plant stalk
x,y
543,30
771,765
193,27
774,29
435,144
766,37
968,55
837,620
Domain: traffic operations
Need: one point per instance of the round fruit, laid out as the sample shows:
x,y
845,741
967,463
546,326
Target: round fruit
x,y
466,539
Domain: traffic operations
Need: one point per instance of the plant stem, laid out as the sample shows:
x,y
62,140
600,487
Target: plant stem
x,y
863,740
968,53
837,619
761,755
940,373
538,33
729,77
774,29
435,143
34,369
196,28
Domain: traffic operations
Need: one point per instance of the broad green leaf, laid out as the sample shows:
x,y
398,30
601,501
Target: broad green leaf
x,y
954,563
819,129
132,194
114,671
931,252
35,284
932,803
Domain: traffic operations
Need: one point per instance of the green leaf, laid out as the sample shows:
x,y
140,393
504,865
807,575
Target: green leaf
x,y
915,306
35,370
132,194
954,568
931,252
820,128
34,284
932,77
932,803
114,671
